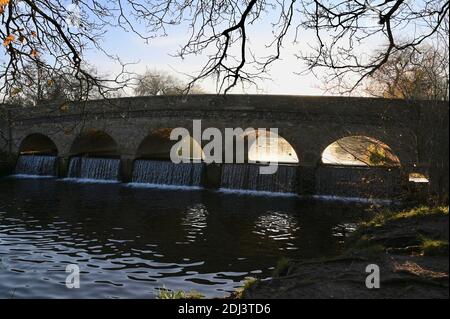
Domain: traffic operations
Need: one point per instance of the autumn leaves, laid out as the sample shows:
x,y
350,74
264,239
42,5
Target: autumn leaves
x,y
3,3
11,38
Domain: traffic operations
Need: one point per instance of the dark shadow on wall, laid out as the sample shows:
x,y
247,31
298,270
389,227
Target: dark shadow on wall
x,y
37,144
94,143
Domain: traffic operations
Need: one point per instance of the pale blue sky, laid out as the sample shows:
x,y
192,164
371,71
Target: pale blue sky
x,y
283,74
157,55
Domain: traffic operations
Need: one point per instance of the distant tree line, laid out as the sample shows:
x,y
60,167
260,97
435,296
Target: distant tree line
x,y
156,82
42,87
413,74
57,34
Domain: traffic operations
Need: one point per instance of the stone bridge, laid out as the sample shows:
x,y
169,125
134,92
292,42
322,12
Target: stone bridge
x,y
416,131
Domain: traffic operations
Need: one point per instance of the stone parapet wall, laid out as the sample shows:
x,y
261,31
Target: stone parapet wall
x,y
301,108
416,131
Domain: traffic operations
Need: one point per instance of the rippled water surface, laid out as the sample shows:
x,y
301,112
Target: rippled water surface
x,y
129,242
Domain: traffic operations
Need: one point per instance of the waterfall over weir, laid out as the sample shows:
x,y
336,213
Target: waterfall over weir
x,y
94,168
167,173
248,177
38,165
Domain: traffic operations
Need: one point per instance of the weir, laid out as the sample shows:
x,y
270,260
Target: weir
x,y
167,173
248,177
94,168
140,127
39,165
362,182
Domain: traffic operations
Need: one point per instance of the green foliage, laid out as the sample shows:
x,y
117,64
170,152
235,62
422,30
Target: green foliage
x,y
377,155
281,267
422,211
248,283
433,247
428,246
165,293
418,212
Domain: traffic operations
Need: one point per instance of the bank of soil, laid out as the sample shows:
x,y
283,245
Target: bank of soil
x,y
410,247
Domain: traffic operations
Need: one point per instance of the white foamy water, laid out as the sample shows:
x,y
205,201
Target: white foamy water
x,y
88,169
163,186
248,177
89,181
379,201
25,176
256,193
152,172
36,165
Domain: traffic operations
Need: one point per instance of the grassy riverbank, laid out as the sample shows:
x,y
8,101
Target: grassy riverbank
x,y
409,246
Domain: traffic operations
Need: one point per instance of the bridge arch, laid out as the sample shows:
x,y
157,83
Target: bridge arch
x,y
401,142
94,143
359,166
359,150
37,143
267,146
158,145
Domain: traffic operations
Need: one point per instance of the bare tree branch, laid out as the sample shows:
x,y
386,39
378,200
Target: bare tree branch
x,y
220,32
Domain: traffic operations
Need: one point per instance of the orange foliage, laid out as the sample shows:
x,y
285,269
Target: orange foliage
x,y
10,38
3,3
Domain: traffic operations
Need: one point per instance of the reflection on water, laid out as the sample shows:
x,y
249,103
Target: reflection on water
x,y
343,231
195,222
129,242
277,226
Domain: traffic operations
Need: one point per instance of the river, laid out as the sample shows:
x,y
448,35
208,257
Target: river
x,y
129,241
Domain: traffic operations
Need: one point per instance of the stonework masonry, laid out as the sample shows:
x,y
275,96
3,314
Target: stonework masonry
x,y
416,131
